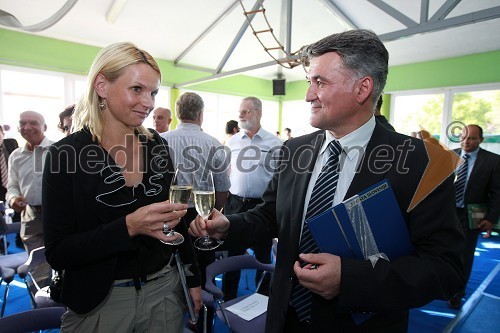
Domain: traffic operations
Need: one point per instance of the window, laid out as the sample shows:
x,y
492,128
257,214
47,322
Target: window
x,y
162,99
443,112
40,92
415,111
220,108
296,116
481,108
48,93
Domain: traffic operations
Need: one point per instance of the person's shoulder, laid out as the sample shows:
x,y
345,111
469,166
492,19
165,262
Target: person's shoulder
x,y
11,142
269,136
489,154
79,138
310,139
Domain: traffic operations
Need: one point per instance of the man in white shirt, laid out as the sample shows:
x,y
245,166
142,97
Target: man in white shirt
x,y
251,170
24,189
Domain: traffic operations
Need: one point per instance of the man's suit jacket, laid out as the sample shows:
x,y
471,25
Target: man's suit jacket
x,y
483,185
434,271
9,145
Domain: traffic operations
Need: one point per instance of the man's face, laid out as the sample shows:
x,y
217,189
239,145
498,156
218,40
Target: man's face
x,y
32,127
470,139
161,120
249,117
332,93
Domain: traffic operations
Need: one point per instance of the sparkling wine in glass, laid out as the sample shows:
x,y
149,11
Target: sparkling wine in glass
x,y
204,201
180,192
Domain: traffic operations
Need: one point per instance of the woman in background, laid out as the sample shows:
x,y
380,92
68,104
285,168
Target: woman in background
x,y
66,120
105,192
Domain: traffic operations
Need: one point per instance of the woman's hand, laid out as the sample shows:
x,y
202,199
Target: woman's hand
x,y
216,226
149,220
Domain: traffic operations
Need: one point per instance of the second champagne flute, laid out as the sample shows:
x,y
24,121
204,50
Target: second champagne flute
x,y
204,201
180,192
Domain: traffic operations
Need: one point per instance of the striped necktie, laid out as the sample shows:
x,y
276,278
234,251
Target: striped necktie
x,y
3,168
321,200
460,182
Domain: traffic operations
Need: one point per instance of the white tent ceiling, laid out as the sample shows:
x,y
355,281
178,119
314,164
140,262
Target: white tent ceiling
x,y
213,34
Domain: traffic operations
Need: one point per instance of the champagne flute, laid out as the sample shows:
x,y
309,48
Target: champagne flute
x,y
180,192
204,201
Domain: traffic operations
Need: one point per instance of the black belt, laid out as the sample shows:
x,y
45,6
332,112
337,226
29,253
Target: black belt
x,y
143,281
36,208
131,283
247,200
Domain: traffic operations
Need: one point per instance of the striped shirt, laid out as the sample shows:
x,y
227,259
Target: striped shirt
x,y
196,150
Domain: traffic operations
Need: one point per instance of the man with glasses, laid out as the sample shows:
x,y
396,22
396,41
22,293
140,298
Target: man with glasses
x,y
24,192
251,170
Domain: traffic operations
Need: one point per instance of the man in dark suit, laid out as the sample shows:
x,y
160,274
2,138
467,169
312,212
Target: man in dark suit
x,y
347,73
380,117
6,147
481,185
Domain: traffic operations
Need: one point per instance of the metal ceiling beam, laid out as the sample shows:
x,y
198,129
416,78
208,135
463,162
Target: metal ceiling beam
x,y
436,23
9,20
237,39
445,9
231,73
340,13
286,25
285,37
396,14
424,11
207,31
481,15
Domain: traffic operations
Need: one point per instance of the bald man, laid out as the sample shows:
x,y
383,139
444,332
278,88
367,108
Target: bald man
x,y
161,119
24,189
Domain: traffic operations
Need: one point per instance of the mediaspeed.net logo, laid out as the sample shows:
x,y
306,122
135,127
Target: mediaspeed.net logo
x,y
442,160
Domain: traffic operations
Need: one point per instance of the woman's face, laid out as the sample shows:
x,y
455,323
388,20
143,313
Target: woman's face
x,y
131,97
67,122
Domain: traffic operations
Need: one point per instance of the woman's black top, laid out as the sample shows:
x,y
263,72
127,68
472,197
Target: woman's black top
x,y
85,201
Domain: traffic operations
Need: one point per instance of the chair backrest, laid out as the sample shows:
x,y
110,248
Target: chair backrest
x,y
36,257
229,264
32,320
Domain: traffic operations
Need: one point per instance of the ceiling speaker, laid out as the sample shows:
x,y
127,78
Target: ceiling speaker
x,y
279,87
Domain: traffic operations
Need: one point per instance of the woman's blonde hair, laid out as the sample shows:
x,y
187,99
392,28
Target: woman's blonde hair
x,y
110,62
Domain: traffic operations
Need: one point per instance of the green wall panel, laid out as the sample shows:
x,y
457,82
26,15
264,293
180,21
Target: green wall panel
x,y
30,50
466,70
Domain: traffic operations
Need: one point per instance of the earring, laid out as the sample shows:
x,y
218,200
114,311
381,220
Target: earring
x,y
102,106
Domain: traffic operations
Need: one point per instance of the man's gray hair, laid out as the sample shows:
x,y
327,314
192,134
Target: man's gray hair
x,y
361,51
257,104
189,106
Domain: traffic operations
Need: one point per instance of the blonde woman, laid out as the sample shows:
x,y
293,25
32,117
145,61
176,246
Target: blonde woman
x,y
105,192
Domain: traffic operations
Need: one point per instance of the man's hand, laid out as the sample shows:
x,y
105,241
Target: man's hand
x,y
216,226
487,226
18,204
321,275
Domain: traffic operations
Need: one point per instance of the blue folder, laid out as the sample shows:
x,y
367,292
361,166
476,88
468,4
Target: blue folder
x,y
335,233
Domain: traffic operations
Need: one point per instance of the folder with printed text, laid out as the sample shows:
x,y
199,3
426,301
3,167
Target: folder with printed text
x,y
372,218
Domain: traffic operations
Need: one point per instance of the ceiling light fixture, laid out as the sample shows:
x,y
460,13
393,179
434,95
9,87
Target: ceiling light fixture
x,y
114,10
